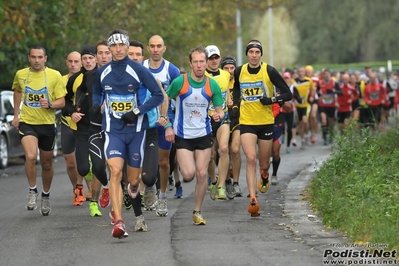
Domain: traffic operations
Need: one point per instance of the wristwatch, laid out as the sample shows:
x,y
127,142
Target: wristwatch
x,y
274,99
49,105
136,111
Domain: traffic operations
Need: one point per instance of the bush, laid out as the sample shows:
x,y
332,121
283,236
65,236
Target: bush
x,y
357,189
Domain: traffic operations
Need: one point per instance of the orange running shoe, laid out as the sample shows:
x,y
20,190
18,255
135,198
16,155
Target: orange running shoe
x,y
75,200
253,207
80,193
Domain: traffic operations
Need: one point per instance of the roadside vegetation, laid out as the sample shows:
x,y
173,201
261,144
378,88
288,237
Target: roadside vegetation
x,y
357,189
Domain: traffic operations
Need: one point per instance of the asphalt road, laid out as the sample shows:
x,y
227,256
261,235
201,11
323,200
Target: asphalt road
x,y
286,233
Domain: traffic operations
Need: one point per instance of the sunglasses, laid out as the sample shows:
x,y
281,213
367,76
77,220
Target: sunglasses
x,y
214,57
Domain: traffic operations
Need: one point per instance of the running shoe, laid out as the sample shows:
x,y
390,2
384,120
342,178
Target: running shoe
x,y
303,144
171,182
274,180
162,207
253,207
198,219
150,198
237,190
112,216
119,230
325,142
230,192
45,208
89,195
140,224
75,200
94,211
32,201
133,190
263,183
313,138
221,194
294,142
288,151
126,200
307,140
214,188
80,193
179,192
104,198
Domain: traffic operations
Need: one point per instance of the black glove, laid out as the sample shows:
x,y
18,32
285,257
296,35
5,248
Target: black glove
x,y
95,114
94,109
234,112
266,101
129,117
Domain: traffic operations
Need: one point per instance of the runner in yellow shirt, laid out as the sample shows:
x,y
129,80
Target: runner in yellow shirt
x,y
38,91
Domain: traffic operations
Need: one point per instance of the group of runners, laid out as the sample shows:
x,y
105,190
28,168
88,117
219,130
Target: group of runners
x,y
324,98
132,126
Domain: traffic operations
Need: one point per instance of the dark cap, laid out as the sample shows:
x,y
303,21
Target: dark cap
x,y
226,60
88,49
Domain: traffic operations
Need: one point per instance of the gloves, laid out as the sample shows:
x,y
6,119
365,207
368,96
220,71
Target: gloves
x,y
234,112
129,117
94,109
266,101
95,114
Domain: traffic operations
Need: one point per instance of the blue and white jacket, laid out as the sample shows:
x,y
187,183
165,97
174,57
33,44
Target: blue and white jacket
x,y
123,86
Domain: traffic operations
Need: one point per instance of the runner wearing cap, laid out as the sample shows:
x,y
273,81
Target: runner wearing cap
x,y
254,82
229,64
220,129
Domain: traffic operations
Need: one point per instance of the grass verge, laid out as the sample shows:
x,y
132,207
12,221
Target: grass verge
x,y
357,189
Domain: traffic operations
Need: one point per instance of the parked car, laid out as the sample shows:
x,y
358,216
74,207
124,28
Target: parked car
x,y
10,143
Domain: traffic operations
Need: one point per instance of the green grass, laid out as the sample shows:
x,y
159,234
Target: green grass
x,y
357,189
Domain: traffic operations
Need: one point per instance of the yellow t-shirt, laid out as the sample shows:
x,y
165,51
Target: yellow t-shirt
x,y
47,84
223,80
304,87
253,87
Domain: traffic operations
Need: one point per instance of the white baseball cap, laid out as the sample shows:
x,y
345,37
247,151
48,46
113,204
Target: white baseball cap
x,y
211,50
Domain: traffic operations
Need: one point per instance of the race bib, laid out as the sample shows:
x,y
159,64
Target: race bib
x,y
374,95
252,91
121,104
327,98
32,97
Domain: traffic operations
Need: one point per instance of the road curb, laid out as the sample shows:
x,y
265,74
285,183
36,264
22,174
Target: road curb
x,y
307,226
